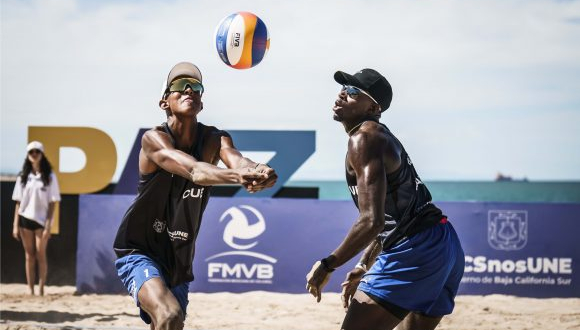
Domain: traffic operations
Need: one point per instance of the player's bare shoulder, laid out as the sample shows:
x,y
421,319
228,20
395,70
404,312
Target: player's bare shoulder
x,y
372,140
370,136
152,141
154,138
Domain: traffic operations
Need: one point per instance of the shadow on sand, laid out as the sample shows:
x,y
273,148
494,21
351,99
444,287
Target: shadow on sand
x,y
56,317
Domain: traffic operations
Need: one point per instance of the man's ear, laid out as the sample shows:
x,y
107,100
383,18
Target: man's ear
x,y
164,105
374,109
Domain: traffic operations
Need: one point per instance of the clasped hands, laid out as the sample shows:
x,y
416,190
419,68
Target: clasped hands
x,y
258,178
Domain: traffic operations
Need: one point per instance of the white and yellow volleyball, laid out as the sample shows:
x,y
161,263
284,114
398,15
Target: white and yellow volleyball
x,y
242,40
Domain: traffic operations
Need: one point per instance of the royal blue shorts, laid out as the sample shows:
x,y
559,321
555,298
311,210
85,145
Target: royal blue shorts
x,y
420,274
136,269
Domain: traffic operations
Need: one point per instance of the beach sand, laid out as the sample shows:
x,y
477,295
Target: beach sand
x,y
60,308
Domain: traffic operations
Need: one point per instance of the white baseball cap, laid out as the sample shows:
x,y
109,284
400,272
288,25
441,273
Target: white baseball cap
x,y
34,145
181,69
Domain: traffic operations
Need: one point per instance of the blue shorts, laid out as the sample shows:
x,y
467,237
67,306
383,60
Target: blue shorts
x,y
136,269
420,274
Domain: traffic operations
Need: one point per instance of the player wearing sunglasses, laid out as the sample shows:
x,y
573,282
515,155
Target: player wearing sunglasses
x,y
155,243
413,262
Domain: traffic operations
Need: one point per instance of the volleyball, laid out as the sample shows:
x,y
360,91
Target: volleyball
x,y
242,40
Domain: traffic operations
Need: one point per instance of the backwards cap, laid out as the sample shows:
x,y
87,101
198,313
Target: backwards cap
x,y
181,69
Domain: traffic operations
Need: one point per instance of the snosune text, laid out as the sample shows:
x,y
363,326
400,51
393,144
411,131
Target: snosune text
x,y
480,264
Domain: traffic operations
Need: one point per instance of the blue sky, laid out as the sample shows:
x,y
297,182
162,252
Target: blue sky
x,y
479,86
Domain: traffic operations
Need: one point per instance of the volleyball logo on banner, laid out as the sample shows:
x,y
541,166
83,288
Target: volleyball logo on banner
x,y
240,265
242,40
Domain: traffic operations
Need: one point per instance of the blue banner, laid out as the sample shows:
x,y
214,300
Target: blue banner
x,y
269,244
522,249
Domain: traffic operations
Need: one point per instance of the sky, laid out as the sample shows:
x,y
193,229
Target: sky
x,y
479,86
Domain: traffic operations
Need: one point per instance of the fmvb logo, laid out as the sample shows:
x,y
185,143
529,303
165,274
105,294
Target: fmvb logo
x,y
507,230
240,234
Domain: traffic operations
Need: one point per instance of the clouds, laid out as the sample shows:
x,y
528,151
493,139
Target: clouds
x,y
463,73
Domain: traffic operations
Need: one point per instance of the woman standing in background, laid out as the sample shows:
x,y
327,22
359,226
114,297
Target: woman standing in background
x,y
35,193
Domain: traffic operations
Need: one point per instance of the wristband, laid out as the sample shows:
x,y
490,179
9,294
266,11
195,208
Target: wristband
x,y
361,266
325,266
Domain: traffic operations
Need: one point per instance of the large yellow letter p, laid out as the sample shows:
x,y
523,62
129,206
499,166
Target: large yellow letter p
x,y
98,147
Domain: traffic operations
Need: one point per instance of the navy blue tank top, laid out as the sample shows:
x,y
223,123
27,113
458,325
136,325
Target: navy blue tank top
x,y
164,219
408,205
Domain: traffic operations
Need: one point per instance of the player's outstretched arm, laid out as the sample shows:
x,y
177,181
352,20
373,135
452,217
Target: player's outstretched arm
x,y
366,159
367,162
157,151
232,158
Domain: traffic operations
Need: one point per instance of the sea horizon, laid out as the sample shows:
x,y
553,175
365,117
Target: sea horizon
x,y
472,190
533,191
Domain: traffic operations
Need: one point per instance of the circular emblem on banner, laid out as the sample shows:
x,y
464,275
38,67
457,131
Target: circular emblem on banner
x,y
239,227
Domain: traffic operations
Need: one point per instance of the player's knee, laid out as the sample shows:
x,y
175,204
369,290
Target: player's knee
x,y
170,318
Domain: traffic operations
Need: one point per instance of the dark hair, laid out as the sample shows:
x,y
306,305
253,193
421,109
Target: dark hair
x,y
45,170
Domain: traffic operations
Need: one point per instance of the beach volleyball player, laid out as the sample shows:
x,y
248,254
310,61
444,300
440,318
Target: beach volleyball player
x,y
419,260
155,243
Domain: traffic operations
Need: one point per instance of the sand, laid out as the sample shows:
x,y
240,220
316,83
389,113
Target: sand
x,y
60,308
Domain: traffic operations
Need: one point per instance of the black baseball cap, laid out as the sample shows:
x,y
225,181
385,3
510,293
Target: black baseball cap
x,y
371,82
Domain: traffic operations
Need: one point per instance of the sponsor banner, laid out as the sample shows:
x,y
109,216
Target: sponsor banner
x,y
522,249
247,244
99,219
244,244
268,244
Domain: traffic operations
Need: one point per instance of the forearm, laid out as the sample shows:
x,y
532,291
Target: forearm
x,y
206,174
16,216
49,215
202,173
246,162
370,253
362,233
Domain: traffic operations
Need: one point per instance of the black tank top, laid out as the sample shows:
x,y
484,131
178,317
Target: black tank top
x,y
164,219
408,206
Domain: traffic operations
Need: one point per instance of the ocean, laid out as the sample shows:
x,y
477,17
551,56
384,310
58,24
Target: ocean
x,y
482,191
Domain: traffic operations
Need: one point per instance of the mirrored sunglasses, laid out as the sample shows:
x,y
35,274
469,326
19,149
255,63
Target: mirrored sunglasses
x,y
180,85
353,92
